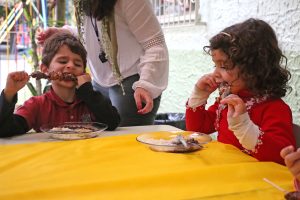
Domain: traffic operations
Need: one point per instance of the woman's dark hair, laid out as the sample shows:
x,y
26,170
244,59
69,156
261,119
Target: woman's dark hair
x,y
99,8
53,43
252,46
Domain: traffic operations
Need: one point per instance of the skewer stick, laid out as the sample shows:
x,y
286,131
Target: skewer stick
x,y
275,185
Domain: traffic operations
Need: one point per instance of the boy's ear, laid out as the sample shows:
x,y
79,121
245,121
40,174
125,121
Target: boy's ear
x,y
43,68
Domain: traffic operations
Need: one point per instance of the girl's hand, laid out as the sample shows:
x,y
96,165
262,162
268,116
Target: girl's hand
x,y
207,83
236,105
15,81
292,160
83,79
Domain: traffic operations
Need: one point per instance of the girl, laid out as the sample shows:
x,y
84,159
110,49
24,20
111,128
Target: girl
x,y
249,113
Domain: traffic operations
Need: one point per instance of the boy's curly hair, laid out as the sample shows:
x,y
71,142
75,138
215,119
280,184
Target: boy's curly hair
x,y
252,46
53,43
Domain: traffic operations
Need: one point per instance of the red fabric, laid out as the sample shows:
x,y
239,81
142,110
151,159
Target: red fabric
x,y
50,109
273,117
297,185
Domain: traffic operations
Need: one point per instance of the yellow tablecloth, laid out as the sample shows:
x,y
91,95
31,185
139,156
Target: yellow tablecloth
x,y
119,167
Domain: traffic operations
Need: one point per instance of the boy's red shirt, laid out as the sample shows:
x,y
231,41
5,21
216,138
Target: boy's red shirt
x,y
49,108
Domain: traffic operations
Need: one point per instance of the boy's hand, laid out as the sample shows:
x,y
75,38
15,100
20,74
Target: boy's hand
x,y
83,79
15,81
236,105
207,83
292,160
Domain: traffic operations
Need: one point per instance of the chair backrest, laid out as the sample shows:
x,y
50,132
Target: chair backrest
x,y
296,131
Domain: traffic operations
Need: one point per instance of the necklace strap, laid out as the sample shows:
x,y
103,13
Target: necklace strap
x,y
110,45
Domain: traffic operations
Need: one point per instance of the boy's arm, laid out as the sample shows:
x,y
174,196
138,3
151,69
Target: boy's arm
x,y
15,81
99,105
10,124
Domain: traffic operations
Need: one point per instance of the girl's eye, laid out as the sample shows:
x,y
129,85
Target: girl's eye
x,y
226,67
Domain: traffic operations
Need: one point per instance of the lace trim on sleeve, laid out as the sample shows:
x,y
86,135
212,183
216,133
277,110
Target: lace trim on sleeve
x,y
200,107
258,144
157,41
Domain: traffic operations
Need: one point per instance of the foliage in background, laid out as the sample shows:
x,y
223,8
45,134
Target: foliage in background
x,y
33,26
37,90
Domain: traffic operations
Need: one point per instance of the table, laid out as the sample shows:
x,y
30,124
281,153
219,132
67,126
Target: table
x,y
118,167
45,137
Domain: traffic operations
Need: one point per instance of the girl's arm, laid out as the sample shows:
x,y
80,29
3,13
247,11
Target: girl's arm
x,y
197,118
201,120
268,129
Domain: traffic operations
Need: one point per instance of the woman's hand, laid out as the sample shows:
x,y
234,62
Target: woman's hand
x,y
143,96
292,160
236,105
14,82
207,83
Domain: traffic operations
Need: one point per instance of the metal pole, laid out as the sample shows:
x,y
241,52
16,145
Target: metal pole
x,y
44,12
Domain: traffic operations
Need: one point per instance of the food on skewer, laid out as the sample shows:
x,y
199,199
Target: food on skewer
x,y
224,91
295,195
39,75
62,76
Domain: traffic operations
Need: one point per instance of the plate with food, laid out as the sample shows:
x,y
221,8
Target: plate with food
x,y
174,141
74,130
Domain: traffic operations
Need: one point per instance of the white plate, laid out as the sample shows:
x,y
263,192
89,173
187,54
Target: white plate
x,y
74,130
164,141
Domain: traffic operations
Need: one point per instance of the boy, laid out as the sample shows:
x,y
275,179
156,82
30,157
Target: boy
x,y
67,101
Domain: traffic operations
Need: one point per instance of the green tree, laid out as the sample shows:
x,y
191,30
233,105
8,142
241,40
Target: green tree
x,y
61,13
37,90
59,21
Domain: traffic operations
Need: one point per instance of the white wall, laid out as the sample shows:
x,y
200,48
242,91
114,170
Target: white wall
x,y
10,64
188,63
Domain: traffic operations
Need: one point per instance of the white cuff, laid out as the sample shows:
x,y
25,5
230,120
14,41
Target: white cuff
x,y
245,130
197,98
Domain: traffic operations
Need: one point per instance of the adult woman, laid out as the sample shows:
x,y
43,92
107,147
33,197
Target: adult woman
x,y
127,54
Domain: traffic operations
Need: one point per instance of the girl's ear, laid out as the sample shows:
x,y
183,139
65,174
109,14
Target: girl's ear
x,y
44,68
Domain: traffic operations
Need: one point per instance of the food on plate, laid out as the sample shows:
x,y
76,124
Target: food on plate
x,y
62,76
72,133
74,130
177,142
172,142
66,129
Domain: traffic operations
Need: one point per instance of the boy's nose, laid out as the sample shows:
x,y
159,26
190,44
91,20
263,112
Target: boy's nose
x,y
70,65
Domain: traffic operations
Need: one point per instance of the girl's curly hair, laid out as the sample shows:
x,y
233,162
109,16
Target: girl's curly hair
x,y
99,8
252,46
